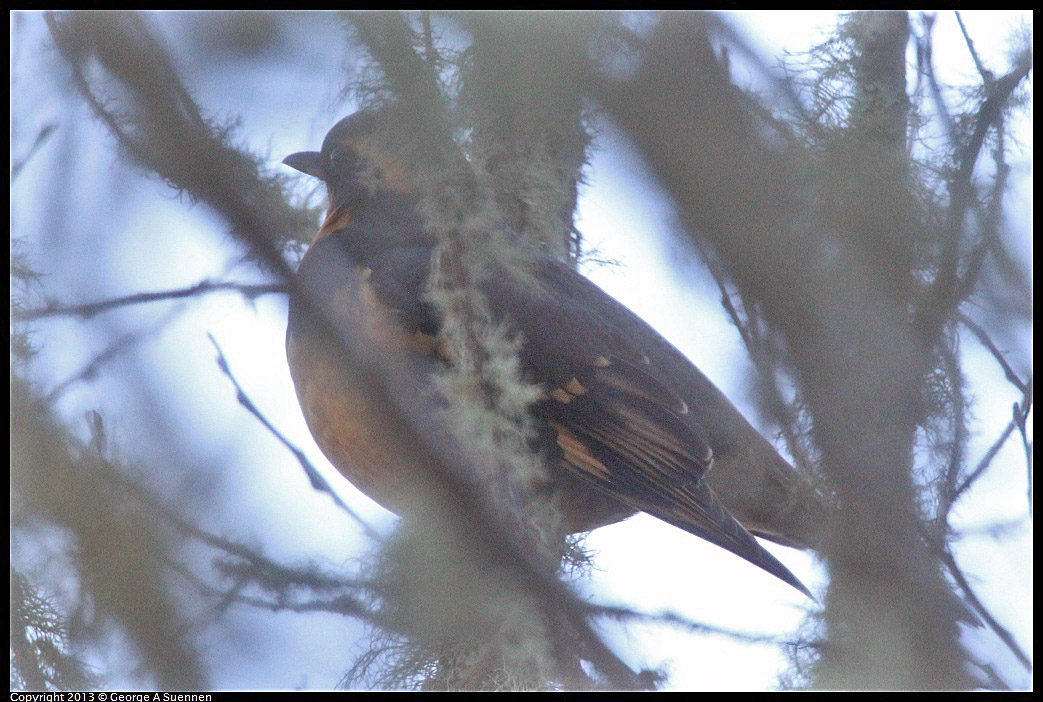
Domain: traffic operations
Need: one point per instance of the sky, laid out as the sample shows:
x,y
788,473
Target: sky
x,y
259,493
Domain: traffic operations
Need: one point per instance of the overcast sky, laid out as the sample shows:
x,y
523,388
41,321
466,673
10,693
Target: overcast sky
x,y
252,489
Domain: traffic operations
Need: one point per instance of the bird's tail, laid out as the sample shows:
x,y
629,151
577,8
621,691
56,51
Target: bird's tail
x,y
704,515
768,496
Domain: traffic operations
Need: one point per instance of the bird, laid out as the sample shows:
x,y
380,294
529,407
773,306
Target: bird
x,y
625,421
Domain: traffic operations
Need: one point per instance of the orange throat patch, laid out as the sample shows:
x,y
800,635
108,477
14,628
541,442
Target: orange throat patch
x,y
336,218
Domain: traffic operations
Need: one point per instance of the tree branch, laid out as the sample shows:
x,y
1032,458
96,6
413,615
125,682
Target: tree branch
x,y
318,482
87,310
968,591
987,342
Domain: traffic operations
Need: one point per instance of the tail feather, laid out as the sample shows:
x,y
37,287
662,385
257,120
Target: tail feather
x,y
705,516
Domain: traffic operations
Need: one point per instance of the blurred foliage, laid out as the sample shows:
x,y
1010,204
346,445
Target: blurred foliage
x,y
41,659
855,235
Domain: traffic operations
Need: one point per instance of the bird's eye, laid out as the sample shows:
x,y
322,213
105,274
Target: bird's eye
x,y
343,158
337,157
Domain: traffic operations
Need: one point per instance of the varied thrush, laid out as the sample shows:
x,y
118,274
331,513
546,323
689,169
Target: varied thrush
x,y
626,423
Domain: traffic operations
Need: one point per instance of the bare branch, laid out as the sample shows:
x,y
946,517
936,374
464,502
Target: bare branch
x,y
674,619
118,548
41,138
841,304
167,134
783,413
986,74
961,580
983,464
926,47
430,52
1021,413
343,605
123,343
987,342
943,296
318,482
87,310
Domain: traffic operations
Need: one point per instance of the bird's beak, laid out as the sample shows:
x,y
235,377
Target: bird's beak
x,y
309,162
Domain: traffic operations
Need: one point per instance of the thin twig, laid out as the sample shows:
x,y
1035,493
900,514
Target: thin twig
x,y
673,619
107,354
167,134
341,604
950,366
430,53
983,464
1021,413
968,591
87,310
784,413
994,530
314,476
987,342
41,138
985,73
927,65
309,577
943,291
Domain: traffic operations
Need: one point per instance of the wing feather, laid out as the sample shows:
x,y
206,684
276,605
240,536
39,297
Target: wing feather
x,y
618,425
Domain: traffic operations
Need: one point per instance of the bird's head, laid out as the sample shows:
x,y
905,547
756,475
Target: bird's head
x,y
356,163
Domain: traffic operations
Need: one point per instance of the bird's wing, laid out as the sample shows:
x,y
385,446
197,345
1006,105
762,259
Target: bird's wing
x,y
617,424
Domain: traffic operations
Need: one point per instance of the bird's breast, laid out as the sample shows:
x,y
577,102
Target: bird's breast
x,y
345,423
334,381
335,376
